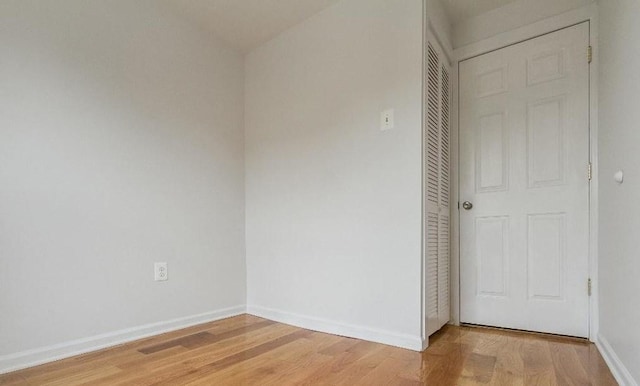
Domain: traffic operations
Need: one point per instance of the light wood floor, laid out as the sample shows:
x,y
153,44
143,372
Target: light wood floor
x,y
247,350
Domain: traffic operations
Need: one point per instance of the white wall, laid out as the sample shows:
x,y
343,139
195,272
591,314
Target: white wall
x,y
121,144
439,23
509,17
333,212
619,128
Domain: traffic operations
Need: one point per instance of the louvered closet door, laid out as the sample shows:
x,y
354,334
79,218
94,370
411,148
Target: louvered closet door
x,y
436,158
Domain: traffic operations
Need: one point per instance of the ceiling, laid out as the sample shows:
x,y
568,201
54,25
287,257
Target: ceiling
x,y
245,24
458,10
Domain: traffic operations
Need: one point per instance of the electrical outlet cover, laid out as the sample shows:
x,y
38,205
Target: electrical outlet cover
x,y
160,272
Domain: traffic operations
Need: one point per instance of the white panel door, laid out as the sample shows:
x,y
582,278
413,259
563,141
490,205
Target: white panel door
x,y
524,154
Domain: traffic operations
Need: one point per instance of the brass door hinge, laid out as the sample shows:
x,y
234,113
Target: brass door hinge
x,y
589,171
589,286
589,54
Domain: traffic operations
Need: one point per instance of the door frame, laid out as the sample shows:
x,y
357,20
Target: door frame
x,y
585,14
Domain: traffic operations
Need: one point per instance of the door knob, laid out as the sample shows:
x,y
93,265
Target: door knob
x,y
467,205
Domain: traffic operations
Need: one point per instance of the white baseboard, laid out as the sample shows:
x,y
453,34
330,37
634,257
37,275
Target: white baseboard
x,y
331,327
34,357
618,369
425,344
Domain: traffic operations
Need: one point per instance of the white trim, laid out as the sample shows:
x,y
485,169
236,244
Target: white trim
x,y
454,216
587,13
618,369
423,299
594,313
336,328
38,356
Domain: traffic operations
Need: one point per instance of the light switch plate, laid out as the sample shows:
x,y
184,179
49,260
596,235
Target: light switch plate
x,y
386,120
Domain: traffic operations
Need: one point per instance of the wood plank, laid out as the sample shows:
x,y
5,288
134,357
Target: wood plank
x,y
12,380
226,362
509,369
538,363
568,369
204,338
